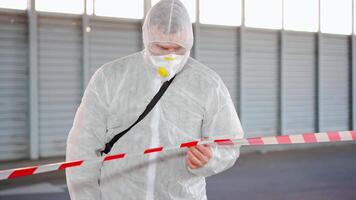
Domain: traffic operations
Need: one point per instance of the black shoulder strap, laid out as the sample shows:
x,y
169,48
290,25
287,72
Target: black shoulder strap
x,y
149,107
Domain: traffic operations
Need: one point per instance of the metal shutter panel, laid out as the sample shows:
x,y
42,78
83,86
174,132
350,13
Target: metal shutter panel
x,y
353,83
60,80
110,40
219,49
260,82
334,82
299,67
14,80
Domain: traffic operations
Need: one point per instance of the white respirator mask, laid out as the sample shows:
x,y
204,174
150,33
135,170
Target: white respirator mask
x,y
166,66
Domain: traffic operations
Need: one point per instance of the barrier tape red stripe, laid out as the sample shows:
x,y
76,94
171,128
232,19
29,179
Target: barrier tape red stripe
x,y
115,156
189,144
353,133
22,172
332,136
309,138
284,139
158,149
224,141
70,164
255,141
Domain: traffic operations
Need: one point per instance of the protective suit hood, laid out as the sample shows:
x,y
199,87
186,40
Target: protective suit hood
x,y
168,21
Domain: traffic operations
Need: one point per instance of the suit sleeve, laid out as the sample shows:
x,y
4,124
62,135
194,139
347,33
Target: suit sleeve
x,y
220,122
86,136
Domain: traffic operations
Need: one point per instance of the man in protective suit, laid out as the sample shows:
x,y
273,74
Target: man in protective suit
x,y
196,106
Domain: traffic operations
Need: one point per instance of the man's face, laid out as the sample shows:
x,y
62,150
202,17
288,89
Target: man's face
x,y
163,44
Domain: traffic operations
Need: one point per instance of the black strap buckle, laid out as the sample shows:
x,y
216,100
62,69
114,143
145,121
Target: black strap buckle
x,y
106,149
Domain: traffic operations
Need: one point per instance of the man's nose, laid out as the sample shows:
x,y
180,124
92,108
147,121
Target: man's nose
x,y
171,50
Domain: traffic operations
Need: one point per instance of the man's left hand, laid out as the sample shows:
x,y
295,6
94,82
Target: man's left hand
x,y
198,156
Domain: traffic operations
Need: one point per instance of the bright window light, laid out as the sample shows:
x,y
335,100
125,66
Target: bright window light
x,y
14,4
336,16
132,9
222,12
263,13
61,6
189,4
354,17
301,15
90,7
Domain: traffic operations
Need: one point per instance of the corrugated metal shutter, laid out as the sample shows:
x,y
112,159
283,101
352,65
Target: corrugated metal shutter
x,y
14,128
334,82
60,80
110,40
219,49
299,67
353,84
260,82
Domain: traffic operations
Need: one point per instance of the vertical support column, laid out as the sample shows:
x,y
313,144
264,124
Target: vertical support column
x,y
352,71
317,74
282,81
197,29
85,46
147,4
33,78
241,89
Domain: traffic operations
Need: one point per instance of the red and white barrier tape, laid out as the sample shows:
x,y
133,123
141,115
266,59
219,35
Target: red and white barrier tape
x,y
334,136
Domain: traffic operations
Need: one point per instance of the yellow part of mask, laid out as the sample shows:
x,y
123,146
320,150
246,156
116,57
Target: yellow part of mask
x,y
163,72
168,58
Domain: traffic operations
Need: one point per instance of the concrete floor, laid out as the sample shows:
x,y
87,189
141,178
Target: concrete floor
x,y
323,173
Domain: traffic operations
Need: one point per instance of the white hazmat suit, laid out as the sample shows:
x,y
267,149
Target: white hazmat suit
x,y
197,104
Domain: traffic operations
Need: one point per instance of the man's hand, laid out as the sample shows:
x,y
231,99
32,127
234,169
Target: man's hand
x,y
198,156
